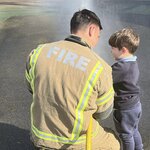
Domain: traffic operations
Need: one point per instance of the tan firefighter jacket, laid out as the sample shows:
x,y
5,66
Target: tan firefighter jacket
x,y
70,83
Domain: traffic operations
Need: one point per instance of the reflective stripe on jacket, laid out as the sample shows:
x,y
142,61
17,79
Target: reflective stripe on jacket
x,y
70,83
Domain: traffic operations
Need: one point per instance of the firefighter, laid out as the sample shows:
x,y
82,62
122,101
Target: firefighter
x,y
70,84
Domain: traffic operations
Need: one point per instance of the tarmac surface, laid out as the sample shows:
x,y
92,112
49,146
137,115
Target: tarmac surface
x,y
25,24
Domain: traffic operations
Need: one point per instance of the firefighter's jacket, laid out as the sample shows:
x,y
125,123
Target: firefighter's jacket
x,y
70,84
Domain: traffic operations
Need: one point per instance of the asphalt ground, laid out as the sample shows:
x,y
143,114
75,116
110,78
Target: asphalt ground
x,y
25,24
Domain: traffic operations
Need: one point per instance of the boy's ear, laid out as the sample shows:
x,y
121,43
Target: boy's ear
x,y
124,50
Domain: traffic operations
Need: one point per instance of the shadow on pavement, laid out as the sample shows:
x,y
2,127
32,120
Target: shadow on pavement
x,y
14,138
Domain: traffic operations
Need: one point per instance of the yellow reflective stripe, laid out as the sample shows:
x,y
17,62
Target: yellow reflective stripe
x,y
51,137
106,97
55,138
78,124
27,76
84,100
33,60
93,133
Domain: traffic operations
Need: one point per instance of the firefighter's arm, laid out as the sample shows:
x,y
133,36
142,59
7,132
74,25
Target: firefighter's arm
x,y
104,110
105,98
27,73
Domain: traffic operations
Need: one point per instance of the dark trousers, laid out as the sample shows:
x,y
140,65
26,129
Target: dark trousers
x,y
126,123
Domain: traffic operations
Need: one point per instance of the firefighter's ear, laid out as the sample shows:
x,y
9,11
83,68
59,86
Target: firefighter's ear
x,y
91,30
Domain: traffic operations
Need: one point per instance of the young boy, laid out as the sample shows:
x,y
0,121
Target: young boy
x,y
127,106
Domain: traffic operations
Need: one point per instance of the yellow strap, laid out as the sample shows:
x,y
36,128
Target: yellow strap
x,y
89,136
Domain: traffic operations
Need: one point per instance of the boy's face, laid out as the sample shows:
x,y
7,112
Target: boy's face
x,y
116,52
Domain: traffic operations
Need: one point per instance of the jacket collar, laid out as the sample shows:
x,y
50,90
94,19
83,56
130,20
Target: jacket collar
x,y
76,39
127,59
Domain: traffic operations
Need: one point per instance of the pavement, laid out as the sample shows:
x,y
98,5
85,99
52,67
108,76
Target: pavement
x,y
25,24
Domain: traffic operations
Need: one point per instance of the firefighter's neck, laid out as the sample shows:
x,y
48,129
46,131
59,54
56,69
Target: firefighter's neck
x,y
84,36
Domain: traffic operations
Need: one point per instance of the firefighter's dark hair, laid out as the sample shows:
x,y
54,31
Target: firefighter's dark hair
x,y
83,18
